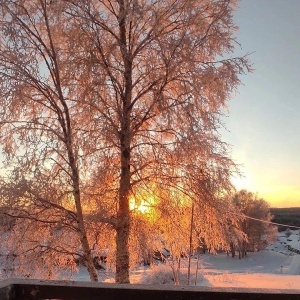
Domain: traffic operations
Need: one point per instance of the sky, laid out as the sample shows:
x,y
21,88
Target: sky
x,y
263,123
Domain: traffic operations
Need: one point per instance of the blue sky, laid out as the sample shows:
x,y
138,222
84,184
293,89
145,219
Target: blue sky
x,y
264,117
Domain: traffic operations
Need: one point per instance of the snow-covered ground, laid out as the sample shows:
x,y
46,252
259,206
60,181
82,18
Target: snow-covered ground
x,y
276,267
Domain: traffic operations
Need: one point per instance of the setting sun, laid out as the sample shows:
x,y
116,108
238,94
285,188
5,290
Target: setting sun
x,y
141,204
141,207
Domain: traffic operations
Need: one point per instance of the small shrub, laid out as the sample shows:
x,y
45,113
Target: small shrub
x,y
160,274
163,274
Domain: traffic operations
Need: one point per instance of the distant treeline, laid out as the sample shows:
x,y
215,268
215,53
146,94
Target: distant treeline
x,y
289,216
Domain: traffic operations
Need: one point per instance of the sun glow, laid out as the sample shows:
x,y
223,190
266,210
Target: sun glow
x,y
142,203
141,207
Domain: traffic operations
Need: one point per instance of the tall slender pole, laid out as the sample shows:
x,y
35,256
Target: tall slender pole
x,y
191,245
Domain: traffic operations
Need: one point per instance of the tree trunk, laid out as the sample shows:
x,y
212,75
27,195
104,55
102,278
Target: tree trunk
x,y
232,250
88,260
87,255
123,222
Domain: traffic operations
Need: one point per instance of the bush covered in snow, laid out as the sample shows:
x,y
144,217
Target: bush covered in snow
x,y
159,274
163,274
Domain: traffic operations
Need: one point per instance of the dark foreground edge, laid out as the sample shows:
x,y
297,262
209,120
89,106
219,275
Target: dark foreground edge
x,y
17,289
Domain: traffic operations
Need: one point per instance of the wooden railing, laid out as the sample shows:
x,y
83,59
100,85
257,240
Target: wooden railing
x,y
17,289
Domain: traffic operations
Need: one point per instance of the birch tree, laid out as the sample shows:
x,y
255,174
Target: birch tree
x,y
159,74
259,233
40,122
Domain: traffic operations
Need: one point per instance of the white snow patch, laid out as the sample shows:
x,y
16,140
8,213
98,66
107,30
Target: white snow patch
x,y
295,266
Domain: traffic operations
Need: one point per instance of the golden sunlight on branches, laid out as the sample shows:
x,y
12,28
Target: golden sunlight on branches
x,y
143,202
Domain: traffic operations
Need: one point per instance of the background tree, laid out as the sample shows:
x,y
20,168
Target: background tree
x,y
289,216
259,233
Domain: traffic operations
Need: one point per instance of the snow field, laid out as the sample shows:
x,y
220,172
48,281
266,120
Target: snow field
x,y
273,268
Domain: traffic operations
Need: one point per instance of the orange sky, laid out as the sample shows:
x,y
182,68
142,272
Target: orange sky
x,y
277,195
